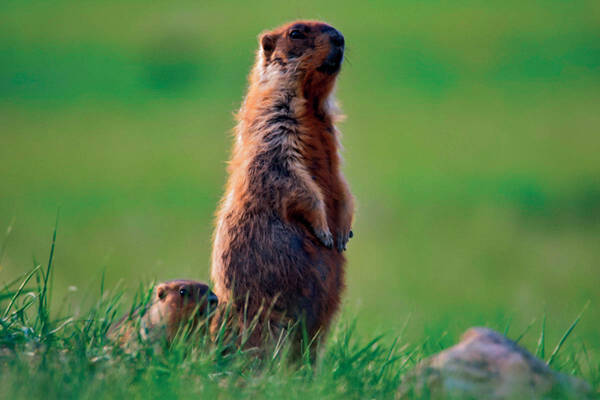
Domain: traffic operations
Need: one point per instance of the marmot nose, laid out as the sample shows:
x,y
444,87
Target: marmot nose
x,y
337,39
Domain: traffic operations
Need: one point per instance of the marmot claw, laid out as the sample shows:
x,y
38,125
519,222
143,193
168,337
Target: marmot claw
x,y
342,240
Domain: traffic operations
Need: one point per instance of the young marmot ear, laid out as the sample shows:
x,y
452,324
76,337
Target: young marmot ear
x,y
267,42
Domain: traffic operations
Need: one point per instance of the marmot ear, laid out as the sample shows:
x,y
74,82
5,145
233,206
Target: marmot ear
x,y
267,42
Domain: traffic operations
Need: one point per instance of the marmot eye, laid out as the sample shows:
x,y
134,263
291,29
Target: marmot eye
x,y
183,292
296,34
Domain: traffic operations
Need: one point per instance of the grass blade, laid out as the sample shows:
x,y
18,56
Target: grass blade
x,y
522,335
566,335
507,326
540,351
19,291
45,294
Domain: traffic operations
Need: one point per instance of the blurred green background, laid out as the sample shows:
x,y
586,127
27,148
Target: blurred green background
x,y
472,145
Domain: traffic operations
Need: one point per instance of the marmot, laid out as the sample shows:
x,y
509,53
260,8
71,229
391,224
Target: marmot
x,y
175,305
287,211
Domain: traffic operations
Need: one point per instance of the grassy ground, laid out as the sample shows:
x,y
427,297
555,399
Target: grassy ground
x,y
71,354
471,145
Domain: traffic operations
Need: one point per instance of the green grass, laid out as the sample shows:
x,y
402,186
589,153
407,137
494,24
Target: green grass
x,y
63,353
471,145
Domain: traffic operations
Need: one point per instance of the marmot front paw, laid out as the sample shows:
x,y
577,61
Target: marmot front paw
x,y
325,237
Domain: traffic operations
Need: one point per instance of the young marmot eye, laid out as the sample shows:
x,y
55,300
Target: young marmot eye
x,y
183,292
296,34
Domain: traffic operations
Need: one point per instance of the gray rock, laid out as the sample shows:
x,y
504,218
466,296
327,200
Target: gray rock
x,y
487,365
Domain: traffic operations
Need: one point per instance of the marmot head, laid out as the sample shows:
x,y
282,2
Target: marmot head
x,y
313,50
178,302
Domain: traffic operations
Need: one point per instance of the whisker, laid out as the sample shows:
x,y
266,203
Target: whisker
x,y
346,51
347,60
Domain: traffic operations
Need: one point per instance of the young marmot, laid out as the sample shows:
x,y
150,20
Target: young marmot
x,y
287,212
175,305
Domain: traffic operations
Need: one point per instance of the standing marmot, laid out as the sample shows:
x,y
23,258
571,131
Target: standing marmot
x,y
287,211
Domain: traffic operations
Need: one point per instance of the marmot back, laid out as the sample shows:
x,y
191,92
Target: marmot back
x,y
287,212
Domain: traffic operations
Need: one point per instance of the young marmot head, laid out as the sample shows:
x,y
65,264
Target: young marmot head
x,y
177,303
311,50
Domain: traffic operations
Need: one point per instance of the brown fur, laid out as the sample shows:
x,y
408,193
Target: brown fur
x,y
286,215
174,305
